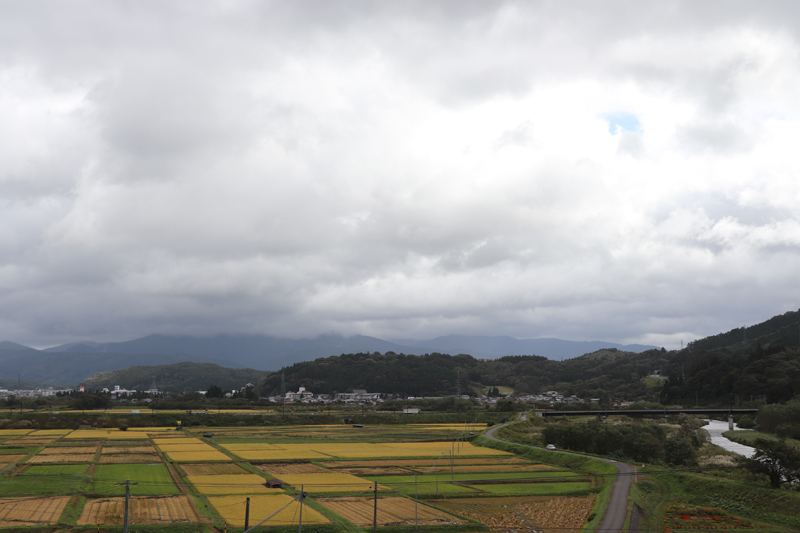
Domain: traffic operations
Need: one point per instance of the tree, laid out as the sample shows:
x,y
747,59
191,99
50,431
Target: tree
x,y
776,459
679,451
89,401
214,392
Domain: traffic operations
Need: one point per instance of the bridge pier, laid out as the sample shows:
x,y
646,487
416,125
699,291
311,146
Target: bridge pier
x,y
730,422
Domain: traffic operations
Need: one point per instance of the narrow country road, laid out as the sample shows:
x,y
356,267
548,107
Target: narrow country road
x,y
617,510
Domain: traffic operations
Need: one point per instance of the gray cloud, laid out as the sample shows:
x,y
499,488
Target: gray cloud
x,y
396,169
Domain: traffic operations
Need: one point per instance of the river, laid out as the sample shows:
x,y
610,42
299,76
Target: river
x,y
716,428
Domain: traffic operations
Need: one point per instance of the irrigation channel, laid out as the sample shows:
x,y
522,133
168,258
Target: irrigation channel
x,y
617,511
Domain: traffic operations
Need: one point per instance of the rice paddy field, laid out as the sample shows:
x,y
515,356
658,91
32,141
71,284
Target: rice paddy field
x,y
423,476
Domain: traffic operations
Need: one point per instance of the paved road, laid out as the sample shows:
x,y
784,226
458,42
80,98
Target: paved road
x,y
617,511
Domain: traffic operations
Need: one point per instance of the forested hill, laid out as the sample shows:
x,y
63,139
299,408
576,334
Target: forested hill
x,y
604,371
740,365
178,376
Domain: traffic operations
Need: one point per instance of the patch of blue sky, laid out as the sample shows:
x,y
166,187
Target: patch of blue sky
x,y
619,122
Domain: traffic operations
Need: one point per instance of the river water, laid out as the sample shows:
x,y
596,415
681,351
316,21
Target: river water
x,y
716,428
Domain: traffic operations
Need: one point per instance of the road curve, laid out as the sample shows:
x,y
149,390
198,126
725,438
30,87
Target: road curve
x,y
617,511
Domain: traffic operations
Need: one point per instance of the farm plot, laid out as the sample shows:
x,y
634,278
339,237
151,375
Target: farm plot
x,y
68,450
50,432
207,469
186,448
392,511
177,440
130,458
388,471
62,458
231,484
47,480
27,442
13,432
292,468
11,458
329,482
535,488
231,508
193,457
153,510
151,479
550,515
115,450
486,468
428,462
31,511
278,455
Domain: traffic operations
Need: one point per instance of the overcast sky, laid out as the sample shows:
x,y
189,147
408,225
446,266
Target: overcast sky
x,y
621,171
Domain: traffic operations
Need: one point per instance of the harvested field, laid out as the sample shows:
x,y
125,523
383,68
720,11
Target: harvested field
x,y
212,468
127,449
31,511
143,510
191,457
392,511
231,508
76,443
68,450
292,468
388,471
483,468
130,458
426,462
27,442
12,458
277,455
62,458
546,514
329,482
231,484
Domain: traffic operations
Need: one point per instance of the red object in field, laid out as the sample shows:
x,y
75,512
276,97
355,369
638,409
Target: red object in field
x,y
685,517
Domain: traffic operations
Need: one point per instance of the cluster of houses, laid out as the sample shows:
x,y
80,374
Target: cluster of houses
x,y
32,393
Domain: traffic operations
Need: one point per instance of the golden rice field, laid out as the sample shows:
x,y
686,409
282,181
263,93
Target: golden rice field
x,y
7,432
392,511
329,482
31,511
185,448
192,457
143,510
50,432
176,440
27,442
98,434
232,508
231,484
322,450
12,458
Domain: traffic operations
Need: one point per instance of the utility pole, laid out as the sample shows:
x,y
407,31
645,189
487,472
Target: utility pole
x,y
375,511
127,484
302,497
458,384
247,514
283,391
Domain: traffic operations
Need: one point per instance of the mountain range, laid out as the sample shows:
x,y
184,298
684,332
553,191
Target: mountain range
x,y
71,363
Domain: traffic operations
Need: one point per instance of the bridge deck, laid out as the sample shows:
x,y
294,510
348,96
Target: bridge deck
x,y
650,412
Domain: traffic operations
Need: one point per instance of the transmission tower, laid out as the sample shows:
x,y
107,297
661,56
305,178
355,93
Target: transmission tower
x,y
283,384
744,335
458,383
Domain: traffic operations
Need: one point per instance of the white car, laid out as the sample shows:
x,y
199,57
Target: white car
x,y
551,447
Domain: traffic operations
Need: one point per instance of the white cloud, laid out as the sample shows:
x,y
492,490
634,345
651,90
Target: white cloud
x,y
397,169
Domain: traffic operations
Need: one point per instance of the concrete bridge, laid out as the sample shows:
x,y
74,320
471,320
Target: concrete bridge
x,y
652,412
